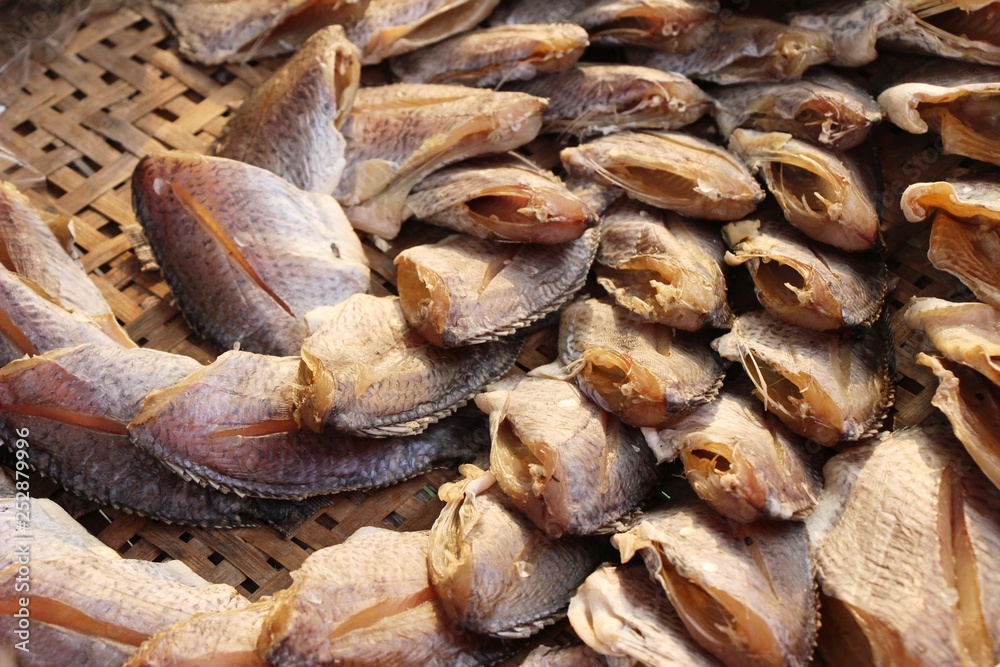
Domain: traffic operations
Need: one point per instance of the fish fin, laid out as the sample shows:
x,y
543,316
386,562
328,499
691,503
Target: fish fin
x,y
287,517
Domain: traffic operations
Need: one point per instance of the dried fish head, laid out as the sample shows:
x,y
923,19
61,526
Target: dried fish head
x,y
853,27
666,25
968,333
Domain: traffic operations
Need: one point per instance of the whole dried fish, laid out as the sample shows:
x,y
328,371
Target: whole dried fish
x,y
55,646
370,373
745,592
397,134
288,124
907,544
495,571
492,56
664,268
670,170
621,612
823,108
965,235
54,533
821,385
567,464
601,99
231,425
393,27
576,655
501,199
246,253
464,290
968,333
644,373
805,283
746,49
743,462
344,608
829,197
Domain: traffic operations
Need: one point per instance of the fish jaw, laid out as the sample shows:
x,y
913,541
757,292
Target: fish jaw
x,y
428,305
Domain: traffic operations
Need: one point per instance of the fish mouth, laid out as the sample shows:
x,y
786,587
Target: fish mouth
x,y
524,215
805,186
424,299
425,30
831,124
788,289
627,388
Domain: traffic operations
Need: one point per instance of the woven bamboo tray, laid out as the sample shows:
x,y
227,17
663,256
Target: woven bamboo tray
x,y
120,91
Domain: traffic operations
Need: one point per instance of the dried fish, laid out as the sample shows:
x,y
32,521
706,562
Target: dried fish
x,y
805,283
601,99
821,385
370,373
231,425
968,333
621,612
664,268
54,533
288,124
55,646
495,571
570,466
644,373
575,655
492,56
397,134
746,49
965,235
829,197
343,607
670,170
464,290
823,108
246,253
501,199
745,592
743,462
907,544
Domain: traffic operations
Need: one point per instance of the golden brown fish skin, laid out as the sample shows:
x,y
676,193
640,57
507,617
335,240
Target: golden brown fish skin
x,y
821,385
368,372
289,124
246,253
745,592
674,26
664,268
571,467
491,56
669,170
966,333
601,99
747,49
576,655
644,373
829,197
822,108
344,608
494,570
622,613
501,199
464,290
399,133
924,591
806,283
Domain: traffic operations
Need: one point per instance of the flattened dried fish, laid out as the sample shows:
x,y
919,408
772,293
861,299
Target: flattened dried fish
x,y
965,235
822,386
494,570
644,373
397,134
370,373
496,55
55,646
501,199
232,425
576,655
54,532
670,170
464,290
344,608
908,549
664,268
600,99
829,197
968,333
567,464
743,462
747,49
824,108
246,253
745,592
393,27
288,124
805,283
619,611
